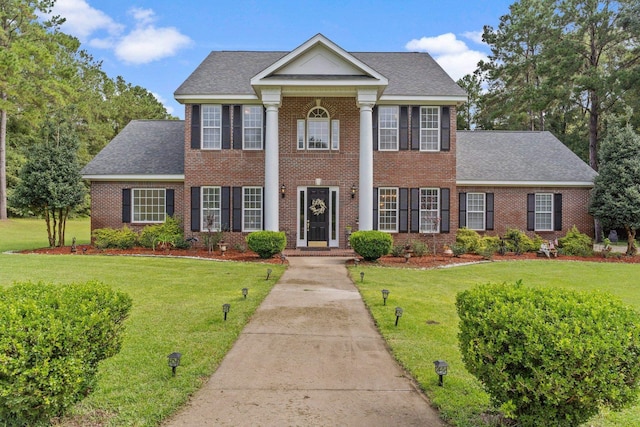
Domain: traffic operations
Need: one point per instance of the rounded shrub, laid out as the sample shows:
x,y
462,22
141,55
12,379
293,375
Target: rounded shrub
x,y
123,238
550,356
371,244
53,338
470,239
167,234
267,243
576,243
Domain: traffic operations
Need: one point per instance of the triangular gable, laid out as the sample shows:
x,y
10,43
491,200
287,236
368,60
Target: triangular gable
x,y
319,56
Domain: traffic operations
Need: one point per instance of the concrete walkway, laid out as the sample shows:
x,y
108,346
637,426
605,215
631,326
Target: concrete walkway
x,y
310,356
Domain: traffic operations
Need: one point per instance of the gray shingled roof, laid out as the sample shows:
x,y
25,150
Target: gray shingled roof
x,y
230,73
512,156
143,147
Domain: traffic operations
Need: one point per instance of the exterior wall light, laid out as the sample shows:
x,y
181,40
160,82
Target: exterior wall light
x,y
353,191
283,190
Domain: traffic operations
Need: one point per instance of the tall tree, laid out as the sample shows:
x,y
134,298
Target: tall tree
x,y
50,182
615,200
22,43
467,114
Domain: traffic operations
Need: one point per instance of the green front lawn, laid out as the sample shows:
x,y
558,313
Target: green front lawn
x,y
21,234
428,329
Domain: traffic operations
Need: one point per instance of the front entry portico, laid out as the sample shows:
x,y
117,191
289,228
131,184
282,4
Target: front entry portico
x,y
317,217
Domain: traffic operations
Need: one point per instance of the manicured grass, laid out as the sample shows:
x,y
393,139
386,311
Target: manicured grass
x,y
20,234
428,329
177,306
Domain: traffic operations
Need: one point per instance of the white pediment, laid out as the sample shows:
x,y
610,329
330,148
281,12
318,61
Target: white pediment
x,y
319,61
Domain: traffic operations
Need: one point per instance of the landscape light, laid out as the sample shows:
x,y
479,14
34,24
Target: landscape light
x,y
441,370
225,310
174,362
385,295
398,314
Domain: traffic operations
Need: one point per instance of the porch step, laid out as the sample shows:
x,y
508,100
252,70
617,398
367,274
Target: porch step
x,y
320,252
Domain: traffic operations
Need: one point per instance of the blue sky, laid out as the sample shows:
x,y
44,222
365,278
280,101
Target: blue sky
x,y
156,44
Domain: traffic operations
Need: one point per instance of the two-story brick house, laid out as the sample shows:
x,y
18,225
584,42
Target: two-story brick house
x,y
319,141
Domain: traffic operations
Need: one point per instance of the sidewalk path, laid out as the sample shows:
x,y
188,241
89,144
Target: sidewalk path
x,y
310,356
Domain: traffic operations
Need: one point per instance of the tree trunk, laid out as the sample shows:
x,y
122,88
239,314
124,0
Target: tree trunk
x,y
3,160
50,235
631,240
594,116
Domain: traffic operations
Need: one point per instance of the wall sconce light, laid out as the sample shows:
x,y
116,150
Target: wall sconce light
x,y
174,362
353,191
441,370
225,310
398,314
245,291
385,295
283,190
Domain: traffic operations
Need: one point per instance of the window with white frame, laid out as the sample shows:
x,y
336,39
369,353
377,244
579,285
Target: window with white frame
x,y
212,127
211,208
149,205
252,127
429,210
476,203
251,208
544,212
318,132
388,209
387,128
429,128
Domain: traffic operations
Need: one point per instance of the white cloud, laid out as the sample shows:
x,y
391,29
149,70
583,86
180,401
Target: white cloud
x,y
163,102
474,36
82,20
143,44
452,54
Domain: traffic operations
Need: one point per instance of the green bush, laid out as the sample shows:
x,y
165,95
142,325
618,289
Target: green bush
x,y
517,241
488,246
458,249
165,235
371,244
397,250
575,243
267,243
550,356
419,248
52,338
123,238
470,239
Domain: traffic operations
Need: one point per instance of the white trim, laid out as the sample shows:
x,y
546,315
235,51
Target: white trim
x,y
167,178
471,183
215,99
431,100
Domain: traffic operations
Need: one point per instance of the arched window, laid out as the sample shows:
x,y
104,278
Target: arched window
x,y
318,131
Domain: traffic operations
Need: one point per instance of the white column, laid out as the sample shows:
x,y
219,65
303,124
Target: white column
x,y
271,171
365,191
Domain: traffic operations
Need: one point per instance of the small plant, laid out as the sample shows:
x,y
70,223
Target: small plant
x,y
488,246
240,247
371,244
419,248
576,243
458,249
469,238
517,241
267,243
164,236
106,238
397,250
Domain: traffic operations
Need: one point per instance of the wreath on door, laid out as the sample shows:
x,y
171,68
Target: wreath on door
x,y
318,207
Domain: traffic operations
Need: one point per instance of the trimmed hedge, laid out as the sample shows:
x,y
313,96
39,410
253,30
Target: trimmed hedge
x,y
550,356
51,341
371,244
267,243
123,238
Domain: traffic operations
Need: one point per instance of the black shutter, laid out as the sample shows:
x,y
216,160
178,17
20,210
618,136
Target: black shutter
x,y
415,210
263,210
404,211
169,200
445,130
374,120
195,127
226,127
531,212
557,212
225,202
126,205
404,128
445,210
415,128
375,208
237,127
489,211
462,210
195,208
237,209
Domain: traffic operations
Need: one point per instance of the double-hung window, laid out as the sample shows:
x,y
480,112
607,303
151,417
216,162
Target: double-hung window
x,y
388,209
211,209
251,208
149,205
318,131
388,128
429,129
476,211
544,212
252,127
429,210
212,127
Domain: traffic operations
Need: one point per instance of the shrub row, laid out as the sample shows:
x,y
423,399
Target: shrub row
x,y
52,338
165,235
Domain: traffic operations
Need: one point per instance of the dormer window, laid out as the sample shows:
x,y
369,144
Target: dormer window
x,y
318,131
